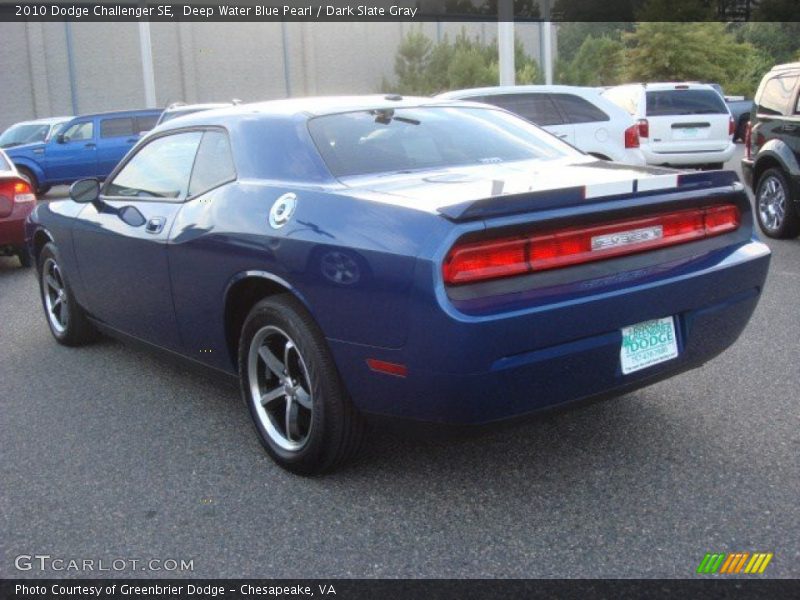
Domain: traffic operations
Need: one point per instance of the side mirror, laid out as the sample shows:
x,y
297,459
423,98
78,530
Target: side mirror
x,y
85,191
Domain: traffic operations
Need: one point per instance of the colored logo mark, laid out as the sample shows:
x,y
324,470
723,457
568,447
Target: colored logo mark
x,y
734,563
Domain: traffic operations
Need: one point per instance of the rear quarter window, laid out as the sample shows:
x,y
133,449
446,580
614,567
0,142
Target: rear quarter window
x,y
776,96
4,166
536,108
119,127
146,123
578,110
684,102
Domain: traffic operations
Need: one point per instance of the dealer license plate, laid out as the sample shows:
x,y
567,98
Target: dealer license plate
x,y
647,344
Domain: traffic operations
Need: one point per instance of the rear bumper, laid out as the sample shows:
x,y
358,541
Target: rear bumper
x,y
12,227
680,159
482,369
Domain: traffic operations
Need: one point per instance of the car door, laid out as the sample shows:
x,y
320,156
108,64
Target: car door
x,y
117,136
72,154
121,241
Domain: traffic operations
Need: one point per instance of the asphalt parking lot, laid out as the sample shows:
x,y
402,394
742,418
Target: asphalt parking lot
x,y
110,453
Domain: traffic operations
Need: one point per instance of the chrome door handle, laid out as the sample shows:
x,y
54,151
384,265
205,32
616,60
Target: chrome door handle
x,y
155,225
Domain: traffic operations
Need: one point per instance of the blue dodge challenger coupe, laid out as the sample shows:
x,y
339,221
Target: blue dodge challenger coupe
x,y
427,259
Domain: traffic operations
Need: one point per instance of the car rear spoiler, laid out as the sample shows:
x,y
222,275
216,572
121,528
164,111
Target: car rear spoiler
x,y
509,204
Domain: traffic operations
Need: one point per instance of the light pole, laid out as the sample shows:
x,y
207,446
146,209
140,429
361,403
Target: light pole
x,y
505,41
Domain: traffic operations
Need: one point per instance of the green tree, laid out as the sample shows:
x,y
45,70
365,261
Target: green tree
x,y
422,67
668,51
571,36
597,62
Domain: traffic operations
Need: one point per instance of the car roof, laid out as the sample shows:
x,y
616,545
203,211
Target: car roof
x,y
786,67
179,106
308,108
668,85
498,90
45,121
121,113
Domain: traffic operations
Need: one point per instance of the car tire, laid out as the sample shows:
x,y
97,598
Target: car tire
x,y
775,210
24,256
298,403
65,317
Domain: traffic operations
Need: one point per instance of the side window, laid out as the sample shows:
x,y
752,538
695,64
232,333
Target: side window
x,y
214,163
80,131
120,127
160,169
776,96
578,110
145,123
536,108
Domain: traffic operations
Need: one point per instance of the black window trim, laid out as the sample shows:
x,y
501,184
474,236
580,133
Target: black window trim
x,y
137,148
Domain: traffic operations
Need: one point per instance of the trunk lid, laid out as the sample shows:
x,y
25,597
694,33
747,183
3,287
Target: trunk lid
x,y
480,192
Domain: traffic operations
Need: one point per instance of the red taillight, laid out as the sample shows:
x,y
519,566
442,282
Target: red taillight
x,y
493,259
748,138
644,128
486,260
731,126
18,190
632,136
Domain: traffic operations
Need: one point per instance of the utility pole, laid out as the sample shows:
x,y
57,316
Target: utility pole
x,y
505,41
546,31
148,75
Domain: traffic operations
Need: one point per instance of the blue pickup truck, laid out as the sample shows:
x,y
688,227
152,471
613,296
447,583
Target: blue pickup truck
x,y
87,146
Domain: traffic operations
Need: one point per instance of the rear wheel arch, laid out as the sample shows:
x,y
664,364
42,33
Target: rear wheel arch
x,y
764,164
40,239
243,293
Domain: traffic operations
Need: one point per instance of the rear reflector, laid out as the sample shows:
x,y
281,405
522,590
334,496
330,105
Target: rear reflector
x,y
381,366
731,126
493,259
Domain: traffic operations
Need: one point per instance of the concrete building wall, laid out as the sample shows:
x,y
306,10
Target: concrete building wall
x,y
202,62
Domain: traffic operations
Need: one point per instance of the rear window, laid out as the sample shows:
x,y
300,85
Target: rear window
x,y
4,166
398,140
536,108
776,96
685,102
146,123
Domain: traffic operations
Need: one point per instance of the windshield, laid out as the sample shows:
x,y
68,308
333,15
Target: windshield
x,y
685,102
24,133
409,139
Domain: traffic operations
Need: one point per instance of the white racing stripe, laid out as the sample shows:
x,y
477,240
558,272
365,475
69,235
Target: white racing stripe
x,y
608,188
658,182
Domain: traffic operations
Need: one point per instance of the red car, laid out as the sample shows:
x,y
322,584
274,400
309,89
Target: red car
x,y
17,200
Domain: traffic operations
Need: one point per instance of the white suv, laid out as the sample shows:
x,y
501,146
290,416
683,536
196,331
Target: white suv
x,y
680,124
578,115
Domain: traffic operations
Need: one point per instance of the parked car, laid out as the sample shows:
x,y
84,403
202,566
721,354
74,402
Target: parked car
x,y
419,258
580,116
771,165
740,111
16,203
680,124
181,109
31,132
86,146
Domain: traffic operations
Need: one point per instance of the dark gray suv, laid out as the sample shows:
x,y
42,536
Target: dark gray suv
x,y
771,165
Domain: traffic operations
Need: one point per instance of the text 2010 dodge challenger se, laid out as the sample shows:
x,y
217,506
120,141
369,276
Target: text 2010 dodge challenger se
x,y
429,259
